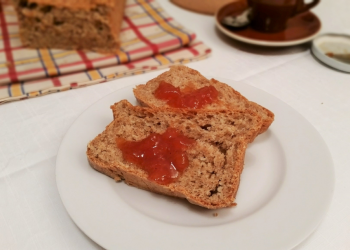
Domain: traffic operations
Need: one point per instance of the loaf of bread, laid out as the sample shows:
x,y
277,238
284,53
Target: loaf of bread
x,y
182,76
75,24
212,177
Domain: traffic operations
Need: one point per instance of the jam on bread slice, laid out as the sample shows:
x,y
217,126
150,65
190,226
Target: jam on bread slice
x,y
215,155
183,78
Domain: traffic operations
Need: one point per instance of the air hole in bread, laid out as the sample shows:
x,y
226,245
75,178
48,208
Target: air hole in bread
x,y
57,22
46,9
206,127
214,191
99,25
223,150
220,146
32,6
23,3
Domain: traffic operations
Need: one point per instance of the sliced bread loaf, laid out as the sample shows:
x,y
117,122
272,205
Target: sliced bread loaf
x,y
71,24
182,76
212,177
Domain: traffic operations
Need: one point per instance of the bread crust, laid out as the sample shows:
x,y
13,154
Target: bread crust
x,y
216,156
77,4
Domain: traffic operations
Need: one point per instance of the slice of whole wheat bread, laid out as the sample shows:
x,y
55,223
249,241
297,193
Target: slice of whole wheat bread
x,y
181,76
215,159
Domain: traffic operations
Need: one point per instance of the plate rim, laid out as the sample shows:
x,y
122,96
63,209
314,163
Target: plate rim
x,y
263,42
331,168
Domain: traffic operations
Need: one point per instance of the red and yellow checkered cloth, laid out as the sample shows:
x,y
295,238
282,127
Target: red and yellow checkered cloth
x,y
151,39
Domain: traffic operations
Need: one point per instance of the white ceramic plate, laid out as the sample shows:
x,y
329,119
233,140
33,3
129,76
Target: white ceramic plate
x,y
285,190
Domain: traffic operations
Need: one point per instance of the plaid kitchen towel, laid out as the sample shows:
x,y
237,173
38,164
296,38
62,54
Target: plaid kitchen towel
x,y
151,39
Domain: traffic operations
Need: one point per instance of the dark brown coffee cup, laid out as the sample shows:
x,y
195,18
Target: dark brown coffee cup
x,y
272,15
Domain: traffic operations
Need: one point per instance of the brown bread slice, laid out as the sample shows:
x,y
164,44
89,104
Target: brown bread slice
x,y
215,160
181,76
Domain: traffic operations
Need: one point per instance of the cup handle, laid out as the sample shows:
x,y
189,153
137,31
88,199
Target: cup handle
x,y
302,7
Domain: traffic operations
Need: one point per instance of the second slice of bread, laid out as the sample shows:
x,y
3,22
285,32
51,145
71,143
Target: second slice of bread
x,y
182,76
215,159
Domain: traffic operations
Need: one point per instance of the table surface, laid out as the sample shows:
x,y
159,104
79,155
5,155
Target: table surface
x,y
32,215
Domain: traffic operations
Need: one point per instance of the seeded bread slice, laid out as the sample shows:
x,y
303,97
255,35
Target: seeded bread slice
x,y
182,76
215,160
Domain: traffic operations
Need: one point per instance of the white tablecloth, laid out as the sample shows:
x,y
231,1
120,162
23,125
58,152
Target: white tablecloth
x,y
32,215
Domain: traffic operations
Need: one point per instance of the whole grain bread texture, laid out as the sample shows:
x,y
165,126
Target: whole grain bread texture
x,y
182,76
80,25
215,159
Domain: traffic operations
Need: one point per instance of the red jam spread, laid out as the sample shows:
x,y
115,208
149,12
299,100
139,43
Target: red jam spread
x,y
189,98
162,156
